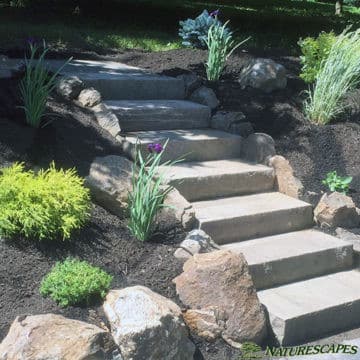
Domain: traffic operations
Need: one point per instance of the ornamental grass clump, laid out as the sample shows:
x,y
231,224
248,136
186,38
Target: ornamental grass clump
x,y
148,191
339,73
47,205
220,46
37,84
75,282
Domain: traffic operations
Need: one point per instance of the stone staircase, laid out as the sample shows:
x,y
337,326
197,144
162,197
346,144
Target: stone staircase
x,y
305,278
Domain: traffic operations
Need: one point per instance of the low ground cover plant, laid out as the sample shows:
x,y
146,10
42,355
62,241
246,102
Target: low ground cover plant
x,y
194,32
75,282
314,51
37,84
47,205
148,191
337,183
338,74
220,46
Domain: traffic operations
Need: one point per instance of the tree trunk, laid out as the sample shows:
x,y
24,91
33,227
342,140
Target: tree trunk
x,y
338,7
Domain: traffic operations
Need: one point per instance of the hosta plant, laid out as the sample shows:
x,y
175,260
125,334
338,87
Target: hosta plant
x,y
149,191
220,46
37,84
45,205
194,32
75,282
337,183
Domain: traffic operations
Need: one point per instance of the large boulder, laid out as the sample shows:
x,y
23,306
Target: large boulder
x,y
45,337
196,242
109,180
263,74
258,148
233,122
146,325
89,97
205,96
336,210
286,182
220,293
69,87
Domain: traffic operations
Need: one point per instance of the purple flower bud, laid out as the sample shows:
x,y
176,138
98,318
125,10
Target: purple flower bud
x,y
150,148
31,41
158,148
215,13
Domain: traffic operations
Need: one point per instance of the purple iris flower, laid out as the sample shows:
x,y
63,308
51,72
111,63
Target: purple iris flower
x,y
158,148
31,40
215,13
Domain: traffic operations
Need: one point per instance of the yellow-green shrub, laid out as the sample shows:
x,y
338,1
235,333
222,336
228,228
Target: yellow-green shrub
x,y
314,52
46,205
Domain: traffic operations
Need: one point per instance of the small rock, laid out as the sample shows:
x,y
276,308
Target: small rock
x,y
109,180
146,325
107,119
197,241
258,148
50,336
220,282
191,83
264,74
69,87
286,182
336,210
89,97
205,96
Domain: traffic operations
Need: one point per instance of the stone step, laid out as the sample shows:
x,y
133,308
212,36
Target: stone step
x,y
150,115
289,257
210,179
244,217
196,144
314,308
119,81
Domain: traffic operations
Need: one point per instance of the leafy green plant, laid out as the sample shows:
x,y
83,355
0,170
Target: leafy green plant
x,y
46,205
148,191
194,32
337,183
75,282
314,52
339,73
220,46
37,84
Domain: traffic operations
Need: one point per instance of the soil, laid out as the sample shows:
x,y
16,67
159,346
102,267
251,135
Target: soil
x,y
73,139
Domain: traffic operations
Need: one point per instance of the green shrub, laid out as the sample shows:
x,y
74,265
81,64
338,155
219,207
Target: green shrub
x,y
314,52
148,191
37,85
46,205
337,183
74,282
338,74
220,46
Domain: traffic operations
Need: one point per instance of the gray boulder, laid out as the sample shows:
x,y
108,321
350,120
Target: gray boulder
x,y
107,119
258,148
196,242
205,96
191,83
233,122
146,325
69,87
263,74
89,97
